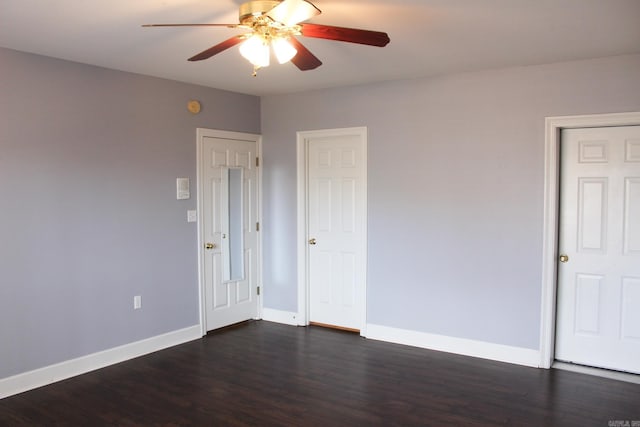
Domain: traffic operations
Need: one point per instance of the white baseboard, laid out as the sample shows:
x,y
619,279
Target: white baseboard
x,y
70,368
279,316
466,347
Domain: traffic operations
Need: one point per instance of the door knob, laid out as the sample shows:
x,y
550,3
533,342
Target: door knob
x,y
312,241
564,258
210,246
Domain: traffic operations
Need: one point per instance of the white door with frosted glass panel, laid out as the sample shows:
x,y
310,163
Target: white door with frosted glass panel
x,y
598,309
337,229
229,236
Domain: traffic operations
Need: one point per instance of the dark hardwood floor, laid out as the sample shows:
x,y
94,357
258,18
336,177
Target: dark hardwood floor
x,y
262,373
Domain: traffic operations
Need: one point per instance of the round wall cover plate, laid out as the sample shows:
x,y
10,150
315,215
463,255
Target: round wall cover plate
x,y
193,107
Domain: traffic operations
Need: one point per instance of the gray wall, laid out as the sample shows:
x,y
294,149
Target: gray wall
x,y
89,217
455,190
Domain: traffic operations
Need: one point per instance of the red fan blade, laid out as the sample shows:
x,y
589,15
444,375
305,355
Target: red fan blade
x,y
191,25
217,48
352,35
304,59
290,12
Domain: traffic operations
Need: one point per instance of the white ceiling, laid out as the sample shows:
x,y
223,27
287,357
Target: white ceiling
x,y
428,37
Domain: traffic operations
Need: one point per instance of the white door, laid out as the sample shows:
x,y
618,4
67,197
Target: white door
x,y
598,309
229,211
337,228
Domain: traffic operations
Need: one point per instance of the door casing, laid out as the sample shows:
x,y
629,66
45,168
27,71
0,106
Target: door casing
x,y
303,215
200,134
553,126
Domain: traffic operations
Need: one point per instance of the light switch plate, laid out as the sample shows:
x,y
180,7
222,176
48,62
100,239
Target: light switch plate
x,y
192,216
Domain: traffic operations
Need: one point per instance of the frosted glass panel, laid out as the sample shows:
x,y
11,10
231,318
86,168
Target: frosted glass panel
x,y
233,235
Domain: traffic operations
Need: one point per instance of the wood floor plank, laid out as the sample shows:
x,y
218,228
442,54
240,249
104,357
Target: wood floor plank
x,y
263,373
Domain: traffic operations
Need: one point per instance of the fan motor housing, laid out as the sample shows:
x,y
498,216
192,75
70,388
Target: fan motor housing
x,y
251,9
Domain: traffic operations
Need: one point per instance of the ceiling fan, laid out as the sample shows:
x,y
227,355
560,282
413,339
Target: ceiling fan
x,y
275,24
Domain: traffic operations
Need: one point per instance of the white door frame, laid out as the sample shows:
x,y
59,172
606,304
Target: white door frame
x,y
302,142
553,127
213,133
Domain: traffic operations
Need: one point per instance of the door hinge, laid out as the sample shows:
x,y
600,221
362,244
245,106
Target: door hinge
x,y
257,161
257,226
258,290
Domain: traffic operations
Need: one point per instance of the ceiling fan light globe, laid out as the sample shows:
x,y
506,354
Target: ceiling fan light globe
x,y
256,51
283,50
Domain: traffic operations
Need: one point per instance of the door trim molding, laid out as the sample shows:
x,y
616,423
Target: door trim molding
x,y
553,126
302,141
214,133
